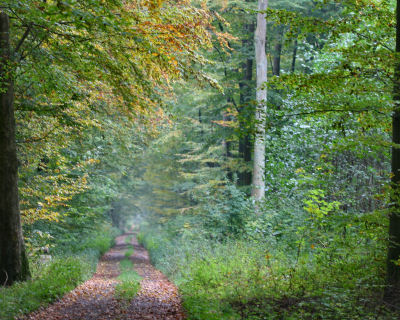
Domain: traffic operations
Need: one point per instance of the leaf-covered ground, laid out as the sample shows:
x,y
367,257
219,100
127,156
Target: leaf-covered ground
x,y
95,299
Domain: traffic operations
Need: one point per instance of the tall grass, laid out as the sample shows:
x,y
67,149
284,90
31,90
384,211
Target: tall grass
x,y
62,274
248,279
129,284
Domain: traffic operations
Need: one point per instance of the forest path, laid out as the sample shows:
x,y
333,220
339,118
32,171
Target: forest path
x,y
157,299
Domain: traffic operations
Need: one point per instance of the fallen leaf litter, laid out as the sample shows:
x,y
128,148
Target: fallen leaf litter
x,y
158,298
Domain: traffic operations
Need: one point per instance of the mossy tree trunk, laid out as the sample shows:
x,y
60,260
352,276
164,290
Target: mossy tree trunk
x,y
13,262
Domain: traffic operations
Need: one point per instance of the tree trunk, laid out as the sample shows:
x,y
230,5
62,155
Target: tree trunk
x,y
13,261
245,85
258,190
226,144
245,154
293,67
392,292
277,59
276,65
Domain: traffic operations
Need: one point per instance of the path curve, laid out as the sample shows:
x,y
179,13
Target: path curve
x,y
157,299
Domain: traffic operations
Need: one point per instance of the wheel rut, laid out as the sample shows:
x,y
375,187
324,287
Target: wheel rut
x,y
157,299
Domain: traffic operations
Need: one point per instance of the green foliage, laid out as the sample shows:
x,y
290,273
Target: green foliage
x,y
90,77
100,242
318,207
331,278
107,150
56,279
226,212
317,250
71,239
62,274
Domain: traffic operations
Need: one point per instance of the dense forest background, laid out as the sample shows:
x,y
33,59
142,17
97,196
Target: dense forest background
x,y
143,112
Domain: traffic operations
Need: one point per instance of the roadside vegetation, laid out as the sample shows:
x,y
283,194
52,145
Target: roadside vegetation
x,y
55,276
302,273
255,143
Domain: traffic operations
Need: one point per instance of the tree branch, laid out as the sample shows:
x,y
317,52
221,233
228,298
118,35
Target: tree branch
x,y
24,36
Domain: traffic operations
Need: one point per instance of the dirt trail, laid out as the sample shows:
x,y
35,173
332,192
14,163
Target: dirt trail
x,y
94,300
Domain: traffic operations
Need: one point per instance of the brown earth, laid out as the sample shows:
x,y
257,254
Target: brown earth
x,y
157,299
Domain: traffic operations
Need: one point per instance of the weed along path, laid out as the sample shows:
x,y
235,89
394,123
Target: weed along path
x,y
125,287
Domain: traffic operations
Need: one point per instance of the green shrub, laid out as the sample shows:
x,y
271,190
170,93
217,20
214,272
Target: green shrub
x,y
335,278
99,240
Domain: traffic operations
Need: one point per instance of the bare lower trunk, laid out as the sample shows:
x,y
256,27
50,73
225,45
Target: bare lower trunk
x,y
277,59
226,144
245,154
276,65
293,67
246,92
13,262
258,191
392,292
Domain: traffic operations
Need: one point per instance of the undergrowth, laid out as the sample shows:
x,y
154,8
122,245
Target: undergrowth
x,y
63,273
285,277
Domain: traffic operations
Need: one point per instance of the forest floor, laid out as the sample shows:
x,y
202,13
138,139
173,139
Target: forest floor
x,y
95,299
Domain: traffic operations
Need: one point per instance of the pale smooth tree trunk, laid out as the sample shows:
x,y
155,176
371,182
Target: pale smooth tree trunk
x,y
13,261
258,190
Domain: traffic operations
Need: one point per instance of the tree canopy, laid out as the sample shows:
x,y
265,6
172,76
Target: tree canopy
x,y
147,111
